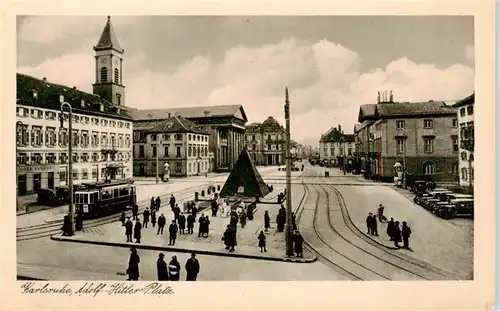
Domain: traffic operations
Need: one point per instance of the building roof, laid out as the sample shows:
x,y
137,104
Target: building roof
x,y
367,112
270,121
191,112
48,97
469,100
171,125
108,39
430,108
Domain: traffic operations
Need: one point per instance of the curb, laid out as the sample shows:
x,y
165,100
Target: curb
x,y
184,250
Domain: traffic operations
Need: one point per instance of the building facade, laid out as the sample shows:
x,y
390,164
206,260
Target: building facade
x,y
265,142
423,137
465,116
224,124
175,141
334,146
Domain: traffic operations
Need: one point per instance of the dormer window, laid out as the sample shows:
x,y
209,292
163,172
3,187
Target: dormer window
x,y
82,103
61,98
34,94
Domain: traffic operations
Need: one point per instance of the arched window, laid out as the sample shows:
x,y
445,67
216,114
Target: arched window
x,y
104,74
429,168
454,168
464,173
117,76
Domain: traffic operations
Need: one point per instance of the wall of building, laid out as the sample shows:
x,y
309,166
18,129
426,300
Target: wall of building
x,y
264,143
465,116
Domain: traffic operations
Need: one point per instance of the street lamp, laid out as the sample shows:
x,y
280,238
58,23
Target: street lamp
x,y
18,124
288,226
71,212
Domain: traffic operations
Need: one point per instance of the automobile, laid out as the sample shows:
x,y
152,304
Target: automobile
x,y
427,204
445,210
46,196
464,207
419,187
454,196
419,198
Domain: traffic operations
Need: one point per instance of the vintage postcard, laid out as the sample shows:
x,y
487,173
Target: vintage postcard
x,y
328,145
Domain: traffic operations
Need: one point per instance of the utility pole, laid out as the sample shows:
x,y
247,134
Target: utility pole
x,y
157,152
404,161
288,226
71,212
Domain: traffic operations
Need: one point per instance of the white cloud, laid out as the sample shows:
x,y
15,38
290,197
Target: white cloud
x,y
326,87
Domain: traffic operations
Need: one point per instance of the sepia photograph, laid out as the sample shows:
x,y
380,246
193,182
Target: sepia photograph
x,y
301,149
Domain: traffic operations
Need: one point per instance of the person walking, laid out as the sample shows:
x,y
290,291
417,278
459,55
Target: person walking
x,y
406,232
161,268
374,226
298,240
267,221
153,217
174,269
294,224
206,227
122,218
133,265
243,219
390,229
137,231
190,223
172,201
145,217
172,233
152,205
201,220
158,203
161,224
182,223
177,212
214,208
194,210
228,238
369,223
135,211
397,234
192,268
262,241
128,229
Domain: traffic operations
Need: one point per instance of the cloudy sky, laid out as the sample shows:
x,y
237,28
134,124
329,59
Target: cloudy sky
x,y
330,64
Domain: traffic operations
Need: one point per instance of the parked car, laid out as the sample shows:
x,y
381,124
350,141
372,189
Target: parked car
x,y
419,187
464,207
46,196
445,210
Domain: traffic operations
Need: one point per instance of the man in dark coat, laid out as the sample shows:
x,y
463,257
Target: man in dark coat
x,y
390,229
243,219
214,207
137,231
201,220
172,201
374,225
234,221
267,221
298,240
161,268
182,223
145,215
135,211
133,265
192,268
369,223
128,229
206,227
153,217
397,234
122,218
177,211
158,203
161,224
406,232
190,223
152,204
194,210
229,238
172,231
294,224
174,269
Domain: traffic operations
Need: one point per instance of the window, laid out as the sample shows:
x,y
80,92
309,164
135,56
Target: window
x,y
75,139
153,137
94,157
400,124
428,124
75,157
36,136
85,139
189,169
178,136
189,136
178,151
85,174
22,135
429,168
454,168
455,123
85,157
95,139
462,112
141,151
429,144
268,137
166,151
154,151
63,158
117,77
36,158
189,151
464,174
254,147
62,175
50,158
104,74
94,174
401,146
22,158
455,143
470,110
75,174
268,146
166,136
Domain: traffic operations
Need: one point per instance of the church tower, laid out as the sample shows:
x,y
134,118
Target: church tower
x,y
109,67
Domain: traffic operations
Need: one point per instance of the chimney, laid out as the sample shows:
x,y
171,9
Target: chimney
x,y
391,97
169,115
340,128
44,79
74,87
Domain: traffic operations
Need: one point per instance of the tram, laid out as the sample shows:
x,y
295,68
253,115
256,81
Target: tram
x,y
98,199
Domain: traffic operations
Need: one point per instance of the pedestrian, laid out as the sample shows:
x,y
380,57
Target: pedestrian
x,y
153,217
233,221
174,269
145,216
228,238
369,223
172,202
122,218
194,210
397,234
298,240
152,204
177,212
267,221
133,265
374,225
158,203
161,268
262,241
161,224
128,229
243,219
200,225
172,233
406,232
190,223
206,227
192,268
182,223
137,231
390,229
294,224
135,211
214,208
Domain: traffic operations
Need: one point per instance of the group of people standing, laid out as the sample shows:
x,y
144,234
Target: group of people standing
x,y
396,233
170,272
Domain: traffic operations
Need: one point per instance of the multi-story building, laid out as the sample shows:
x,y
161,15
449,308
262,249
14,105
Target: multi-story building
x,y
102,131
102,136
334,146
225,125
421,136
265,142
175,141
465,116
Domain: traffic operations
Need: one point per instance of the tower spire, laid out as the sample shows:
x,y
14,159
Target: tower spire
x,y
108,39
286,95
